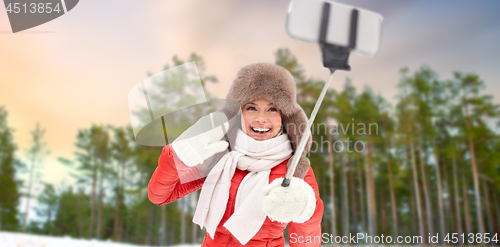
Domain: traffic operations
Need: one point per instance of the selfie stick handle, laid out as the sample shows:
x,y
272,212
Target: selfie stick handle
x,y
335,58
303,140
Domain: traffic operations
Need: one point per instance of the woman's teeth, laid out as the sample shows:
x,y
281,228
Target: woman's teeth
x,y
260,130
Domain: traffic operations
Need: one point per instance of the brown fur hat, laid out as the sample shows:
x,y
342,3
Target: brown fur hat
x,y
274,83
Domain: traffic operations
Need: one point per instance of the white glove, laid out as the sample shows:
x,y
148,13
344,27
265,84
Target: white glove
x,y
201,141
296,202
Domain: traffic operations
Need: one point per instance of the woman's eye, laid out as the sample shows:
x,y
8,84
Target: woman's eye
x,y
273,109
250,108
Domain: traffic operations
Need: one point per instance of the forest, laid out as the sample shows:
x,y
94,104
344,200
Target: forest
x,y
427,163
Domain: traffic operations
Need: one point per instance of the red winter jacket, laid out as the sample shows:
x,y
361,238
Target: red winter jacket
x,y
165,187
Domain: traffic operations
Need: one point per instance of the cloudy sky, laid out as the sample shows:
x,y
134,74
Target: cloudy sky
x,y
78,69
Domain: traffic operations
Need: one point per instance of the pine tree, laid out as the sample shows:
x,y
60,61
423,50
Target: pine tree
x,y
93,156
9,186
67,216
473,110
122,156
406,114
47,201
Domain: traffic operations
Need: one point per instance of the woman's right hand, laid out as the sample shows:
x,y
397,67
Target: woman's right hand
x,y
202,140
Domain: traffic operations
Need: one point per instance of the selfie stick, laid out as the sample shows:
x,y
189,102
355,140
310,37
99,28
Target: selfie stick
x,y
335,58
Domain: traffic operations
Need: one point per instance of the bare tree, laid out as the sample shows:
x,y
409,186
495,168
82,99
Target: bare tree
x,y
163,225
183,205
102,147
352,188
487,202
370,190
427,197
194,198
361,196
35,155
457,196
393,196
468,226
497,210
331,180
345,200
415,182
440,191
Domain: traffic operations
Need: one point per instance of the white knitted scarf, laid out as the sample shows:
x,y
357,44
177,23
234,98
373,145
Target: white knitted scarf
x,y
258,157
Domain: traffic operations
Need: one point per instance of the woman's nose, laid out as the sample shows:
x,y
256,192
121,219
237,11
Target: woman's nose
x,y
261,117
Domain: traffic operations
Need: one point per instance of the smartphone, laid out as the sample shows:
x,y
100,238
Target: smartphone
x,y
304,22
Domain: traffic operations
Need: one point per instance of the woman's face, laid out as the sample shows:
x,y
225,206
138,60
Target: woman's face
x,y
261,119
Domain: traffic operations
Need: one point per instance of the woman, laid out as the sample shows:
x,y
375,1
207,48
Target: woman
x,y
262,142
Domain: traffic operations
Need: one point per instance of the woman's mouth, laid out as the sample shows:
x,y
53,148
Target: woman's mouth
x,y
260,130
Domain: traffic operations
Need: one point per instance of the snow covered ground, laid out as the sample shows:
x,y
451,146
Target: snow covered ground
x,y
14,239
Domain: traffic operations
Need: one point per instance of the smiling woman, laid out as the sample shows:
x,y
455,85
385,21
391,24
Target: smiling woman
x,y
230,205
261,120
